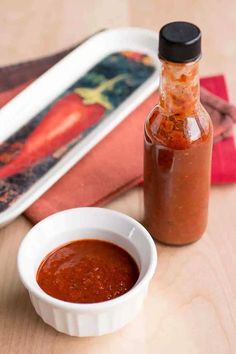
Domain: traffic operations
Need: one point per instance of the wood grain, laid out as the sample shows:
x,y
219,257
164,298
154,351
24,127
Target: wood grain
x,y
191,306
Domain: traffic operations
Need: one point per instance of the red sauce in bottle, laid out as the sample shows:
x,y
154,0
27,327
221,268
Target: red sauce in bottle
x,y
177,158
87,271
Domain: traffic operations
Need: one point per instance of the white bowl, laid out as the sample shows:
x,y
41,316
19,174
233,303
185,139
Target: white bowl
x,y
87,319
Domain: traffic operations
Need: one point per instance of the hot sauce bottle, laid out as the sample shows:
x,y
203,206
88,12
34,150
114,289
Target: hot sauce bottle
x,y
178,143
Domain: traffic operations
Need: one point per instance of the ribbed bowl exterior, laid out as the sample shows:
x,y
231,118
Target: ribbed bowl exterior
x,y
83,324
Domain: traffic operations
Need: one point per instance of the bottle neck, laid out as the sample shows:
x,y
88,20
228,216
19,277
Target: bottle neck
x,y
179,88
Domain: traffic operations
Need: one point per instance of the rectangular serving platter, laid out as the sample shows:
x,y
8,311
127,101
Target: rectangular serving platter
x,y
47,89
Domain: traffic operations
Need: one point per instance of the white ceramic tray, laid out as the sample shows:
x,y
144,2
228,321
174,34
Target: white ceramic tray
x,y
51,85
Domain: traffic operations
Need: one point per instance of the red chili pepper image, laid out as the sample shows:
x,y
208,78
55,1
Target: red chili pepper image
x,y
140,57
132,55
66,120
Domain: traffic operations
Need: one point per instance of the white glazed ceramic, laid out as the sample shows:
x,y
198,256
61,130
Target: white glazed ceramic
x,y
63,227
57,79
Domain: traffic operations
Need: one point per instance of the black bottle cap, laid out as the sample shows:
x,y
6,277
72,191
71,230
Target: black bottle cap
x,y
179,42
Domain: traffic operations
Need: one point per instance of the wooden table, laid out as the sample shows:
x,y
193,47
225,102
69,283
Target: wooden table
x,y
191,305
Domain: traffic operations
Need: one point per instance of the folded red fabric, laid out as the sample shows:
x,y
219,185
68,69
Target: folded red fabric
x,y
224,152
115,164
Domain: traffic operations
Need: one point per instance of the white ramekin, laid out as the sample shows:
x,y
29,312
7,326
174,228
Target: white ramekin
x,y
60,228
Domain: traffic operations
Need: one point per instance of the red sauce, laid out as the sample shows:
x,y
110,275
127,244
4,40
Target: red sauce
x,y
177,159
87,271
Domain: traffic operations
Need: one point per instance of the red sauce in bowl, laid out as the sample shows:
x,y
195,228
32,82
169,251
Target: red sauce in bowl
x,y
87,271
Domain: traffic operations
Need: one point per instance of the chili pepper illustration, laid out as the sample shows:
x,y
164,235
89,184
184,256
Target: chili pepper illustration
x,y
132,55
139,57
66,120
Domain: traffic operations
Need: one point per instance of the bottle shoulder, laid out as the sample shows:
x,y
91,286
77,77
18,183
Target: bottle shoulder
x,y
178,131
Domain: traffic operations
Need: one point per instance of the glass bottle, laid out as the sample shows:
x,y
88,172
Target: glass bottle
x,y
178,143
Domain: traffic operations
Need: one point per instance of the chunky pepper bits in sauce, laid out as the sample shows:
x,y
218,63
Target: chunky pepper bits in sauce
x,y
87,271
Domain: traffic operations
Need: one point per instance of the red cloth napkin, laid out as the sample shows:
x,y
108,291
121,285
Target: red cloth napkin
x,y
116,164
224,152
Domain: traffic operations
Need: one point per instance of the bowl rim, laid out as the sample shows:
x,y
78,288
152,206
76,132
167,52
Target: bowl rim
x,y
39,293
